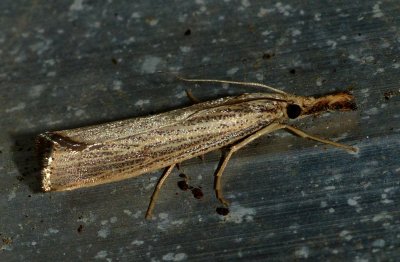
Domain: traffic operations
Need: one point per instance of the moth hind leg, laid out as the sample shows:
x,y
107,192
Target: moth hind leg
x,y
157,189
191,97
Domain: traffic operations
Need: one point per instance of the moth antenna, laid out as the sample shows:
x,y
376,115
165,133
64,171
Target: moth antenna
x,y
234,83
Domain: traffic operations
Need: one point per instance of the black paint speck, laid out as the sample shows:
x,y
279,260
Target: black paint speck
x,y
188,32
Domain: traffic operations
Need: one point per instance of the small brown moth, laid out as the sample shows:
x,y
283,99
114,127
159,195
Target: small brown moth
x,y
98,154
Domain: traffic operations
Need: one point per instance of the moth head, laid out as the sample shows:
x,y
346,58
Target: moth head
x,y
304,106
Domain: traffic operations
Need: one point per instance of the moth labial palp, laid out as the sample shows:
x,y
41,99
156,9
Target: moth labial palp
x,y
114,151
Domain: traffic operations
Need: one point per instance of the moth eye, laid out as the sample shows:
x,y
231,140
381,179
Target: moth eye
x,y
293,111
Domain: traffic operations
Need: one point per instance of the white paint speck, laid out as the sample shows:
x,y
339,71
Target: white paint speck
x,y
101,254
331,43
18,107
372,111
142,102
79,112
376,10
319,81
163,215
396,65
379,243
174,257
323,204
36,91
12,194
283,9
113,220
103,233
331,210
76,5
185,49
352,202
53,231
381,216
302,252
238,214
232,71
262,12
296,32
150,64
152,21
128,212
135,15
266,32
117,85
317,17
346,235
330,188
137,242
245,3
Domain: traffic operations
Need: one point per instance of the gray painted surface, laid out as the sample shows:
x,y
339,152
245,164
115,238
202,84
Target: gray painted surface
x,y
81,62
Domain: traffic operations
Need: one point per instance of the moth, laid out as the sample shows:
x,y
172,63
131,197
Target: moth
x,y
114,151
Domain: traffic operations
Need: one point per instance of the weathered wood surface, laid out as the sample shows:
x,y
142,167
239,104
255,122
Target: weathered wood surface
x,y
83,62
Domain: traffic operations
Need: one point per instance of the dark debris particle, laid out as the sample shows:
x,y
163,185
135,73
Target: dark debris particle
x,y
223,211
80,217
183,185
267,56
6,240
197,193
20,178
388,95
114,61
188,32
292,71
80,229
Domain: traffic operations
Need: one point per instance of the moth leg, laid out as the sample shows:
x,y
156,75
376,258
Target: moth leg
x,y
225,158
154,196
191,97
325,141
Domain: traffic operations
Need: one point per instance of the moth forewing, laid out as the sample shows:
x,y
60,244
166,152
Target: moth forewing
x,y
119,150
75,158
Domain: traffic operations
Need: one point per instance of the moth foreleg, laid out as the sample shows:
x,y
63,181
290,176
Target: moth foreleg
x,y
302,134
154,196
225,158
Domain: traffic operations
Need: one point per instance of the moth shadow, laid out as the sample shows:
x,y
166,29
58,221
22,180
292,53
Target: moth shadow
x,y
26,160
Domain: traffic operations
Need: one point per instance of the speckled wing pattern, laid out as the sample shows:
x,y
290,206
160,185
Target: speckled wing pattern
x,y
118,150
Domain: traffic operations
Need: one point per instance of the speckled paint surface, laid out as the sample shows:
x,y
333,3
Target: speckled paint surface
x,y
82,62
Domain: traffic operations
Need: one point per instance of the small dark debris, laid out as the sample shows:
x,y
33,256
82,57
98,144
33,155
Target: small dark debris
x,y
388,95
80,217
20,178
292,71
29,195
267,56
197,193
183,185
334,70
6,240
188,32
223,211
80,229
114,61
